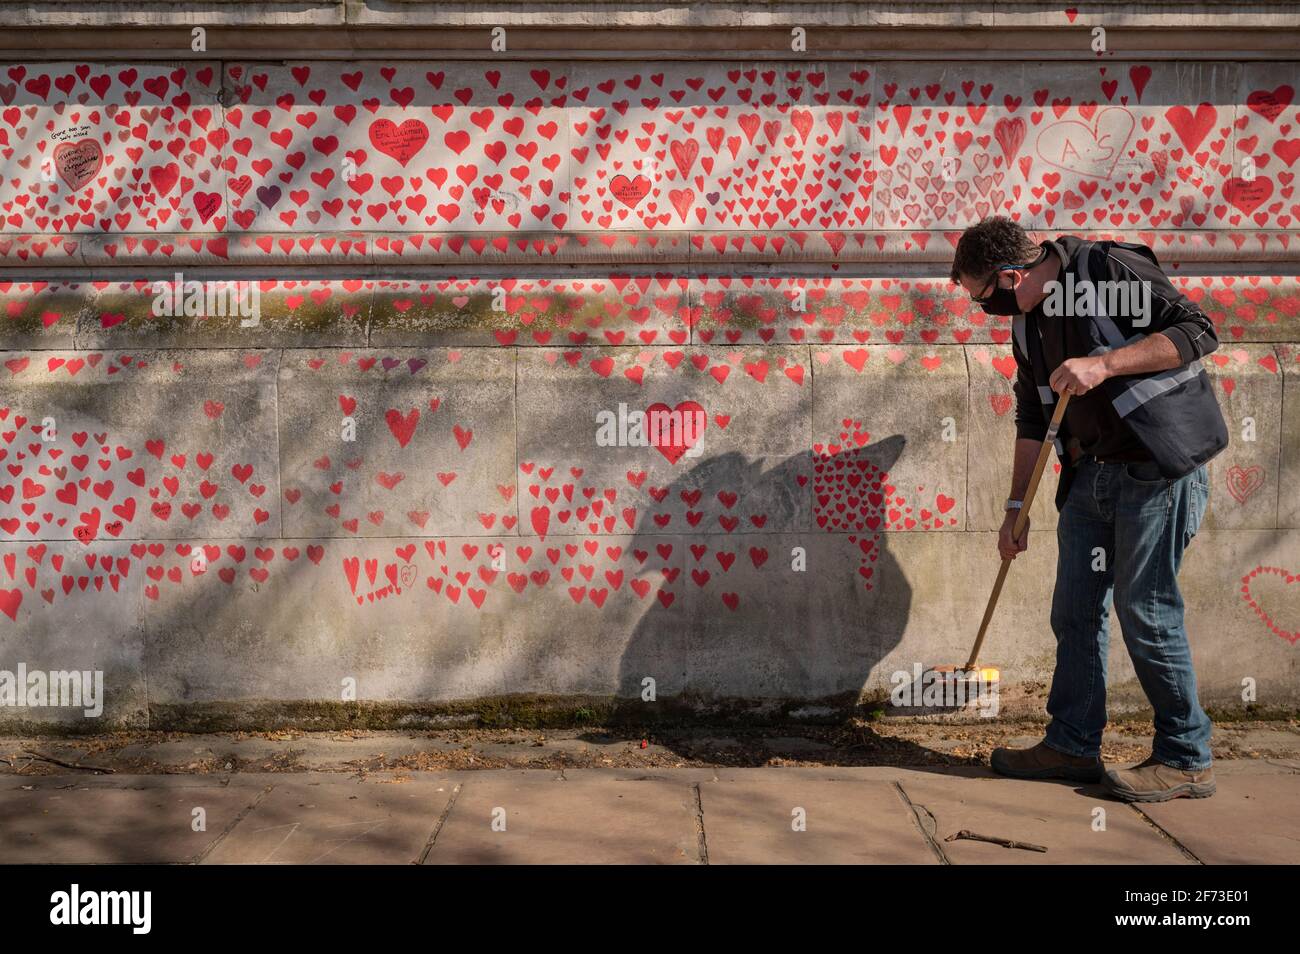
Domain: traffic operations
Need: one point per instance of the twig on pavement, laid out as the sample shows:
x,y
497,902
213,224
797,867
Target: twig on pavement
x,y
72,765
966,835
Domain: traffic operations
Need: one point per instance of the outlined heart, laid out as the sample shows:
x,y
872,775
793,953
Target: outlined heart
x,y
1260,584
1089,150
1244,481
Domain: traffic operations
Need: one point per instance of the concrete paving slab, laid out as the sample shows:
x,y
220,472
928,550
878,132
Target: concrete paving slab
x,y
750,817
585,817
1252,819
339,820
1060,816
131,820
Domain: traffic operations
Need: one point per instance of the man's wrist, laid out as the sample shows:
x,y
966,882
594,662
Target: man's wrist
x,y
1105,363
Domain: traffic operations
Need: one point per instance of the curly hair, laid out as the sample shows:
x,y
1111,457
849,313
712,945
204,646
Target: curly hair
x,y
989,243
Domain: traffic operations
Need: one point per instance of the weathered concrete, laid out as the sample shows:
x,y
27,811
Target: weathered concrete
x,y
1251,803
1288,509
533,817
72,607
596,568
753,815
337,821
172,819
896,418
1060,817
1243,493
662,816
730,459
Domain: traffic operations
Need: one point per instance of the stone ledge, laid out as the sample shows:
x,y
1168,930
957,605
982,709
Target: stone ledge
x,y
160,255
713,14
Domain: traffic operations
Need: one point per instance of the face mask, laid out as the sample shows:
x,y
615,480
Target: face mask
x,y
1001,302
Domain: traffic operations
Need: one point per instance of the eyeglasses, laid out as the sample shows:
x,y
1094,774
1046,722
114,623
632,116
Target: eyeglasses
x,y
987,291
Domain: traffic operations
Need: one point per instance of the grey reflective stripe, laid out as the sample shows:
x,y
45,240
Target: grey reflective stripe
x,y
1018,326
1100,349
1139,392
1142,391
1108,329
1046,395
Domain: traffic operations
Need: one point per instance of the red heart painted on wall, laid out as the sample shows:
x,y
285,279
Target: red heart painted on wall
x,y
629,191
674,431
399,142
78,162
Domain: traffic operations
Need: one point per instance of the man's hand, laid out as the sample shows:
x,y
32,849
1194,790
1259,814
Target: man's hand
x,y
1007,547
1078,376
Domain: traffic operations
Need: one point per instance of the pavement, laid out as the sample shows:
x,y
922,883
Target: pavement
x,y
689,815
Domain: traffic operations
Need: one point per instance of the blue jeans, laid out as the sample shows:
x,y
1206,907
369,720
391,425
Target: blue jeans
x,y
1123,530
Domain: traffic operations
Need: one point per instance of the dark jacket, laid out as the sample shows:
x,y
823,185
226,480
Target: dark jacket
x,y
1173,414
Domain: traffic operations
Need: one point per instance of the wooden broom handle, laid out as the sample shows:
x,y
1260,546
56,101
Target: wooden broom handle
x,y
1022,518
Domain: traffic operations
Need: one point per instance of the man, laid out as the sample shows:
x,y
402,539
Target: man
x,y
1141,423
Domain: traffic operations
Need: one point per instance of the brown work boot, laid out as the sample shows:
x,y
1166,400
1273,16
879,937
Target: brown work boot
x,y
1043,762
1154,781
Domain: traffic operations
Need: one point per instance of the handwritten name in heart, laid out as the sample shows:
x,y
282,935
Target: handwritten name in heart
x,y
1089,150
629,191
78,162
399,142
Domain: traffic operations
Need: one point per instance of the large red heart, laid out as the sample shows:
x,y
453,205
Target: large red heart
x,y
674,431
400,142
629,191
78,162
1271,616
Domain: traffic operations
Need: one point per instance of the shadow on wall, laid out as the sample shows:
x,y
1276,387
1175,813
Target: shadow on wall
x,y
756,636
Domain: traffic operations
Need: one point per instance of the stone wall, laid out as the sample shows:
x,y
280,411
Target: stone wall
x,y
395,475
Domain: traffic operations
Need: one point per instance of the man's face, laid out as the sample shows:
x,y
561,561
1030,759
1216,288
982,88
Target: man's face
x,y
981,287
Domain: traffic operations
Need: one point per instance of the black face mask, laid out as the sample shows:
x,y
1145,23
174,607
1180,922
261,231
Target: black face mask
x,y
1002,301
